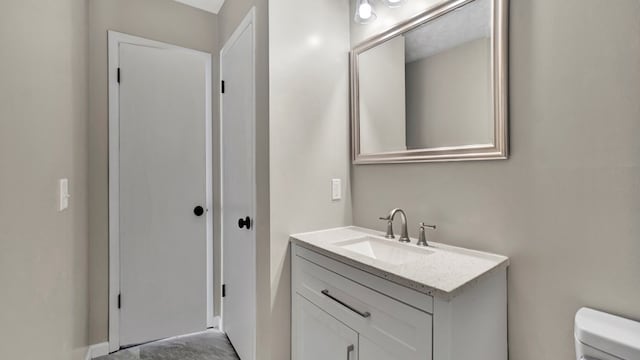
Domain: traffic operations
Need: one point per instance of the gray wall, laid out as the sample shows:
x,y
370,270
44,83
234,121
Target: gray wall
x,y
43,117
437,86
161,20
230,16
566,206
309,135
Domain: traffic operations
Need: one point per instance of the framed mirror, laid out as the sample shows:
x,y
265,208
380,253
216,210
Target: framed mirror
x,y
433,88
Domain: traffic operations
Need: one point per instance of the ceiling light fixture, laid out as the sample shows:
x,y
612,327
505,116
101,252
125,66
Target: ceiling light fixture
x,y
365,13
393,3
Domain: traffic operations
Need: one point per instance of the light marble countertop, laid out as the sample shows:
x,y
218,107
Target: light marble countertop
x,y
444,271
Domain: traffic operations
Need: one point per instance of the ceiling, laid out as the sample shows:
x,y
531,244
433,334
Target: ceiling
x,y
212,6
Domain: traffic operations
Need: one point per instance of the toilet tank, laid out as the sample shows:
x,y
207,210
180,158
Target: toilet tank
x,y
602,336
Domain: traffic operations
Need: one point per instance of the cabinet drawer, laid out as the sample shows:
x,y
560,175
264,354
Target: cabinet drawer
x,y
403,294
387,328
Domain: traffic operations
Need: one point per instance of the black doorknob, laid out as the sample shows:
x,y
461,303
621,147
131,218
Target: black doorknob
x,y
198,210
246,222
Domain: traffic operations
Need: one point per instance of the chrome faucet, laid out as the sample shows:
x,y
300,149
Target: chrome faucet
x,y
404,235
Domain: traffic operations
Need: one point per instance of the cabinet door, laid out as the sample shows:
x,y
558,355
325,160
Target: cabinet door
x,y
319,336
370,350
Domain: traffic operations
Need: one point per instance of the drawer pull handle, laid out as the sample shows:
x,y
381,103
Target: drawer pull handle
x,y
350,349
365,314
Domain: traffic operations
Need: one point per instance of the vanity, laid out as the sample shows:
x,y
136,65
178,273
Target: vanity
x,y
431,88
357,295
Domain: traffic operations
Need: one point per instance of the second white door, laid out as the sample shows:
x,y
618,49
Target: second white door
x,y
238,190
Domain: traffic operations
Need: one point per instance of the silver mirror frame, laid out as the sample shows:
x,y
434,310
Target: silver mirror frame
x,y
499,75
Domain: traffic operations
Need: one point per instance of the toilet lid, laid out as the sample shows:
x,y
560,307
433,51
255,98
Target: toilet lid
x,y
608,333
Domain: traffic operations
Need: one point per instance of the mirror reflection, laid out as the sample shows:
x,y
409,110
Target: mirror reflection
x,y
430,87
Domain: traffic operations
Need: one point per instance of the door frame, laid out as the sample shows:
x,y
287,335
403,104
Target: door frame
x,y
114,41
249,19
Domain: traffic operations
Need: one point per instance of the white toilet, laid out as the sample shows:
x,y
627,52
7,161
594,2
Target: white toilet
x,y
602,336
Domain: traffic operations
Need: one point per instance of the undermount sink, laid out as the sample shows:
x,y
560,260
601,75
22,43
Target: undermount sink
x,y
384,250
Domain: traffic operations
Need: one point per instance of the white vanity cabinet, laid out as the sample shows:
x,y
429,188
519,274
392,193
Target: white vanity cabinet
x,y
342,312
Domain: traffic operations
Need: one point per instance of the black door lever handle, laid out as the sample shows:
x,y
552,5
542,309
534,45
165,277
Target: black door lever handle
x,y
246,222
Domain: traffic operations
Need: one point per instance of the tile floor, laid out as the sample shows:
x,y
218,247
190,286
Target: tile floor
x,y
208,345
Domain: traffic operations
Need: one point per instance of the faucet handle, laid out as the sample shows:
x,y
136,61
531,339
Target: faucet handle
x,y
425,226
389,234
422,237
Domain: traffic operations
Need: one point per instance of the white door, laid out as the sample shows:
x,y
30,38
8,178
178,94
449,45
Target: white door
x,y
238,190
319,336
162,184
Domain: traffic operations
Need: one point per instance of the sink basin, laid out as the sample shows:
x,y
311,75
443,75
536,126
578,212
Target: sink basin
x,y
383,250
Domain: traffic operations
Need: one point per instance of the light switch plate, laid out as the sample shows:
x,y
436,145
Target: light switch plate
x,y
336,189
63,190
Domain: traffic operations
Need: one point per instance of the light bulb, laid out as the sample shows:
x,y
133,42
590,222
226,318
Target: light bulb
x,y
365,13
365,10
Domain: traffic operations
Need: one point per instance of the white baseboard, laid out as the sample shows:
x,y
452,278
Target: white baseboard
x,y
97,350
